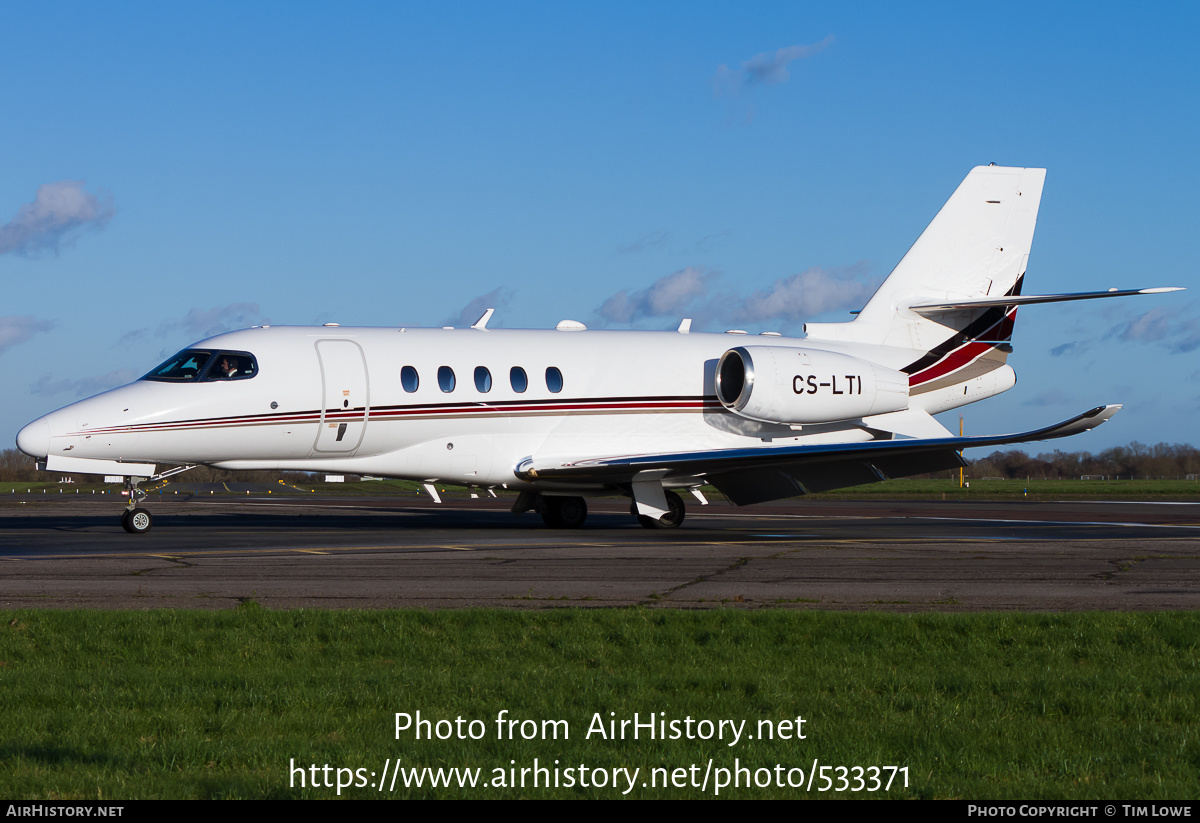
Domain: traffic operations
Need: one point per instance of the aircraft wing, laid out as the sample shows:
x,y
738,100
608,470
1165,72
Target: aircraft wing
x,y
748,476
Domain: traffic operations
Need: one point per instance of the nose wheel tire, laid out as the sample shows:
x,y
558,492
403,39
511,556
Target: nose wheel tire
x,y
137,521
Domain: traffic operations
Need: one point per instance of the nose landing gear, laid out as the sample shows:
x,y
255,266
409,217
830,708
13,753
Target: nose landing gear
x,y
135,520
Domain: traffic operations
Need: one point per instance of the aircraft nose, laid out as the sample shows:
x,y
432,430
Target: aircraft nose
x,y
34,439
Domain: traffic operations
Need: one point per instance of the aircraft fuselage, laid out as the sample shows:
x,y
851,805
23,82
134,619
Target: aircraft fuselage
x,y
338,399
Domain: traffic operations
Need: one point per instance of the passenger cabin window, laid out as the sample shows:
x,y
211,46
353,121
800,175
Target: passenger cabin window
x,y
483,379
554,381
203,365
518,379
409,379
446,378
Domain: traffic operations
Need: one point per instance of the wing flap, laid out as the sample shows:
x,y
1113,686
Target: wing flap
x,y
919,463
758,486
744,488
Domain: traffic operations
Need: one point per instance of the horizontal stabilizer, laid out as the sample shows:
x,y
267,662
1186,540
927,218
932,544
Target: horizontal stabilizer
x,y
1013,300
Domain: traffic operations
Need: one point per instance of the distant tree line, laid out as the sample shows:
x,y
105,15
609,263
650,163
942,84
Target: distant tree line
x,y
1136,460
1169,461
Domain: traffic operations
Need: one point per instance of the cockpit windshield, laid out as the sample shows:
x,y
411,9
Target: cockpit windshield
x,y
203,365
187,365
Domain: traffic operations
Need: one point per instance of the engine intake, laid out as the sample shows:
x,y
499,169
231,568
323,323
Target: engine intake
x,y
775,384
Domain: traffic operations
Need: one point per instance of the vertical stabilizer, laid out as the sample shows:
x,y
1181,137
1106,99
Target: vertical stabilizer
x,y
977,246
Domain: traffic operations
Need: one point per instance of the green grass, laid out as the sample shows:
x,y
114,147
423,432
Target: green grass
x,y
121,705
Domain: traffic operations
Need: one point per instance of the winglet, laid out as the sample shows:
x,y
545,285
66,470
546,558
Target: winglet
x,y
1084,422
482,322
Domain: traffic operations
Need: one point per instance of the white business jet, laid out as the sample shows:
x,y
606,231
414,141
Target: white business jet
x,y
560,415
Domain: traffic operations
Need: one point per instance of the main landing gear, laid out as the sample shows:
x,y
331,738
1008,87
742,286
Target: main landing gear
x,y
564,512
671,520
557,512
560,512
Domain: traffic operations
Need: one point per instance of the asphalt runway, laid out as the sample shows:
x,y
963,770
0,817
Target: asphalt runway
x,y
297,551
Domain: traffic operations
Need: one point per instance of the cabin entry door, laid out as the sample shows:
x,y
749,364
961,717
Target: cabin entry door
x,y
346,400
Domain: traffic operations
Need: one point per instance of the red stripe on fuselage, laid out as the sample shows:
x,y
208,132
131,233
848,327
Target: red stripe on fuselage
x,y
473,409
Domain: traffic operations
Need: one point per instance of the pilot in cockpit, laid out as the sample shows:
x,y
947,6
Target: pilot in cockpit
x,y
229,367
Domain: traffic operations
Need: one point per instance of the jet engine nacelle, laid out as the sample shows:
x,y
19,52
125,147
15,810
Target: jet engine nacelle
x,y
775,384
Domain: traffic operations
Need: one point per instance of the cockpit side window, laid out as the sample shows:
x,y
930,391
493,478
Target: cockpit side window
x,y
188,365
232,365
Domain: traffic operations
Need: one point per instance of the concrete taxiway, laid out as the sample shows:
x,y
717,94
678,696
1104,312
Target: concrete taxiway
x,y
216,552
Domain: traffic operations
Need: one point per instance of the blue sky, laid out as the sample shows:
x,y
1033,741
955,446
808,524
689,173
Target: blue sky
x,y
178,169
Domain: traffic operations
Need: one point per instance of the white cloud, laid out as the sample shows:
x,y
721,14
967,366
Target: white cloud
x,y
16,329
84,386
1153,325
1177,328
687,293
766,69
809,293
1174,327
645,242
200,323
668,296
58,214
497,298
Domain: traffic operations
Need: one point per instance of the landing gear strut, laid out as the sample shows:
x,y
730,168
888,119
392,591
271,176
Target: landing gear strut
x,y
135,519
671,520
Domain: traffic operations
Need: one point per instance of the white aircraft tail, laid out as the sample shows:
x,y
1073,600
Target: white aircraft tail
x,y
976,248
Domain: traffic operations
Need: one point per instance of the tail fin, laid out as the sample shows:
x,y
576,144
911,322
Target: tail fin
x,y
977,246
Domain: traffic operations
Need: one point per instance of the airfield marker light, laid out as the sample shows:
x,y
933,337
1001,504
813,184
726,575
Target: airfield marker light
x,y
960,434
